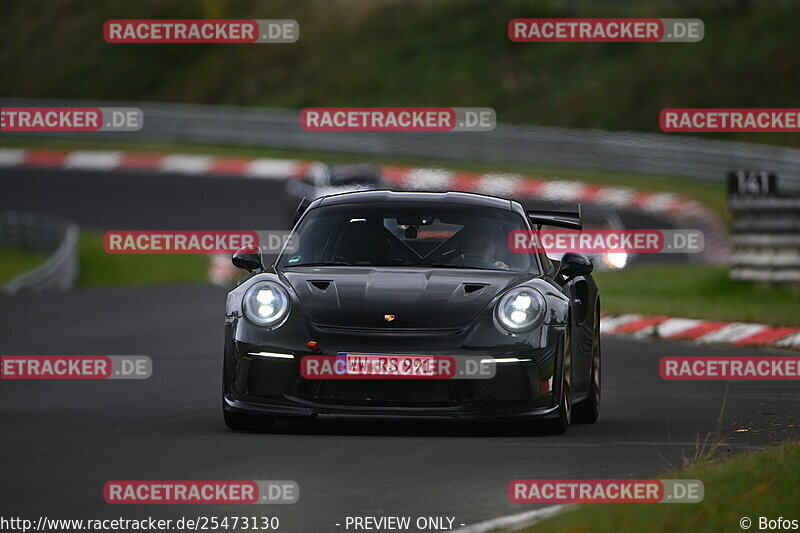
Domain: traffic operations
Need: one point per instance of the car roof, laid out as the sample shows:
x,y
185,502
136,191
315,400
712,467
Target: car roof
x,y
460,198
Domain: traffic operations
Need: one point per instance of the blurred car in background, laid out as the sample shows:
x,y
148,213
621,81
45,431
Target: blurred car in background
x,y
323,180
601,218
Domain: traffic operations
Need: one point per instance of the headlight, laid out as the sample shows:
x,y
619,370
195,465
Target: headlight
x,y
266,303
615,259
521,309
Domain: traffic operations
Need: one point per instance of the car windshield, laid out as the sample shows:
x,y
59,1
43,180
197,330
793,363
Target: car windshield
x,y
424,235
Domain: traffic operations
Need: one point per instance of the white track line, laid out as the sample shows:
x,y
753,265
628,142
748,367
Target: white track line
x,y
271,168
428,179
93,160
186,164
731,333
499,184
609,324
563,191
659,201
515,521
790,341
675,326
11,157
615,196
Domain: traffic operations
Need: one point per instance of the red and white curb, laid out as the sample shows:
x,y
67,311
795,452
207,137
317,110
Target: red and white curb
x,y
701,331
264,168
682,211
411,178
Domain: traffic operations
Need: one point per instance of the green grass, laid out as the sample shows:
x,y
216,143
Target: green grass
x,y
762,483
711,194
696,291
15,261
98,268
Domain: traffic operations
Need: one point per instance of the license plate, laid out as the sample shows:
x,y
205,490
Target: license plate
x,y
400,365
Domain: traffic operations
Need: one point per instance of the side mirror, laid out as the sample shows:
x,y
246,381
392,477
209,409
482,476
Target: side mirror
x,y
248,258
573,265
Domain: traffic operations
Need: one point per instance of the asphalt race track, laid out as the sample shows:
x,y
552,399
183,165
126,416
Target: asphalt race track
x,y
142,200
62,440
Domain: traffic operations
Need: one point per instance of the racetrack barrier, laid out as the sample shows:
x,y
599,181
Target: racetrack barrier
x,y
648,153
765,230
766,239
42,233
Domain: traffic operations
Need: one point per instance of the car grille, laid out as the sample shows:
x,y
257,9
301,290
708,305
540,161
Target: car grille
x,y
387,392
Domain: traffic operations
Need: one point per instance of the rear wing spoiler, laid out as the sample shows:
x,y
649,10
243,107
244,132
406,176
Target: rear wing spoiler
x,y
561,219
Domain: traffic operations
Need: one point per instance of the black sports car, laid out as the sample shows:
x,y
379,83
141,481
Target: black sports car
x,y
416,275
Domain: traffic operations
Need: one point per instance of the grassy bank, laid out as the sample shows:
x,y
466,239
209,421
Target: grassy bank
x,y
15,261
98,268
753,485
696,291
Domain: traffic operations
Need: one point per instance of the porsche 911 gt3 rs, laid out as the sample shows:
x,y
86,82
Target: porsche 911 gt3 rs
x,y
414,276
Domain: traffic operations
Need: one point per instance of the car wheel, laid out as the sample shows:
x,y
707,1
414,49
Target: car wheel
x,y
587,411
559,425
248,422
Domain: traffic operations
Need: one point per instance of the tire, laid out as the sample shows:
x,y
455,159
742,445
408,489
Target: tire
x,y
588,410
248,422
559,425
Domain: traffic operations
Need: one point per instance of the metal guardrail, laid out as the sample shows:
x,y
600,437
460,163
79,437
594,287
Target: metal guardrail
x,y
43,233
648,153
766,239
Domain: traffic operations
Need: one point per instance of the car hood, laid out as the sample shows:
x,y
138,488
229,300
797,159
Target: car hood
x,y
396,297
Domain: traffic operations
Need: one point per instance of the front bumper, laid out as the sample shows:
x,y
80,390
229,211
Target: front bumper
x,y
274,386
